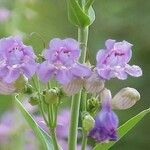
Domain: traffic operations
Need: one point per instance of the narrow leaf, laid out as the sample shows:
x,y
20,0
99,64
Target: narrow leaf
x,y
125,128
41,135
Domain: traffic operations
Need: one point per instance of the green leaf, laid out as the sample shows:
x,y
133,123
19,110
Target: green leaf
x,y
125,128
91,14
79,16
76,14
88,4
42,136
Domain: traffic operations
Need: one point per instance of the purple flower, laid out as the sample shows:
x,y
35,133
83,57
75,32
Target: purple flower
x,y
106,122
113,61
61,61
15,59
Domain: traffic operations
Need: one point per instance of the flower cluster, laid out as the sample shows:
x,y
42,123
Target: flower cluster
x,y
61,62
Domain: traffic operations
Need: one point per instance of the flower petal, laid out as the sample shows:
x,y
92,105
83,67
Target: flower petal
x,y
64,76
80,70
105,73
125,48
12,75
110,43
45,71
134,70
29,69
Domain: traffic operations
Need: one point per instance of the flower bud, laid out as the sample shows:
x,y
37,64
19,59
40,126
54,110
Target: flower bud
x,y
94,84
73,87
93,105
20,83
125,98
34,100
6,88
105,96
51,96
88,122
28,89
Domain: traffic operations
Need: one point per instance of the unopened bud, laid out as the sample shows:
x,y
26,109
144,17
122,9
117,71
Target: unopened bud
x,y
105,96
51,96
20,83
34,100
125,98
28,89
88,122
93,105
6,89
73,87
94,84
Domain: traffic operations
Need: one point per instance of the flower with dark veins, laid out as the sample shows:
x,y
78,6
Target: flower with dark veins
x,y
113,61
61,62
16,59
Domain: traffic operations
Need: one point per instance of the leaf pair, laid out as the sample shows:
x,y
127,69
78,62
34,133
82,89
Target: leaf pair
x,y
81,15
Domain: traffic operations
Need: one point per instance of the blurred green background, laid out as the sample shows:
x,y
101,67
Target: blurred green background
x,y
117,19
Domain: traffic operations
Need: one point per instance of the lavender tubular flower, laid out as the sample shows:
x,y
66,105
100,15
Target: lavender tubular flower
x,y
106,121
16,59
62,62
113,61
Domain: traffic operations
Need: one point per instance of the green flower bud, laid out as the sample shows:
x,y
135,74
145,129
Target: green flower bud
x,y
88,122
93,105
20,83
51,96
34,100
28,89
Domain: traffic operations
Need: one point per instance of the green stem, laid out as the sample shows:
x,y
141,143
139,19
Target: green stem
x,y
83,39
84,141
75,106
52,126
54,139
73,131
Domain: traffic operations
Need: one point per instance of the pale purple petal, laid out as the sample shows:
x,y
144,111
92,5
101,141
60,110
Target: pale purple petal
x,y
73,46
100,57
11,76
45,71
120,73
134,70
3,71
55,43
125,48
29,69
105,73
64,76
80,70
110,43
